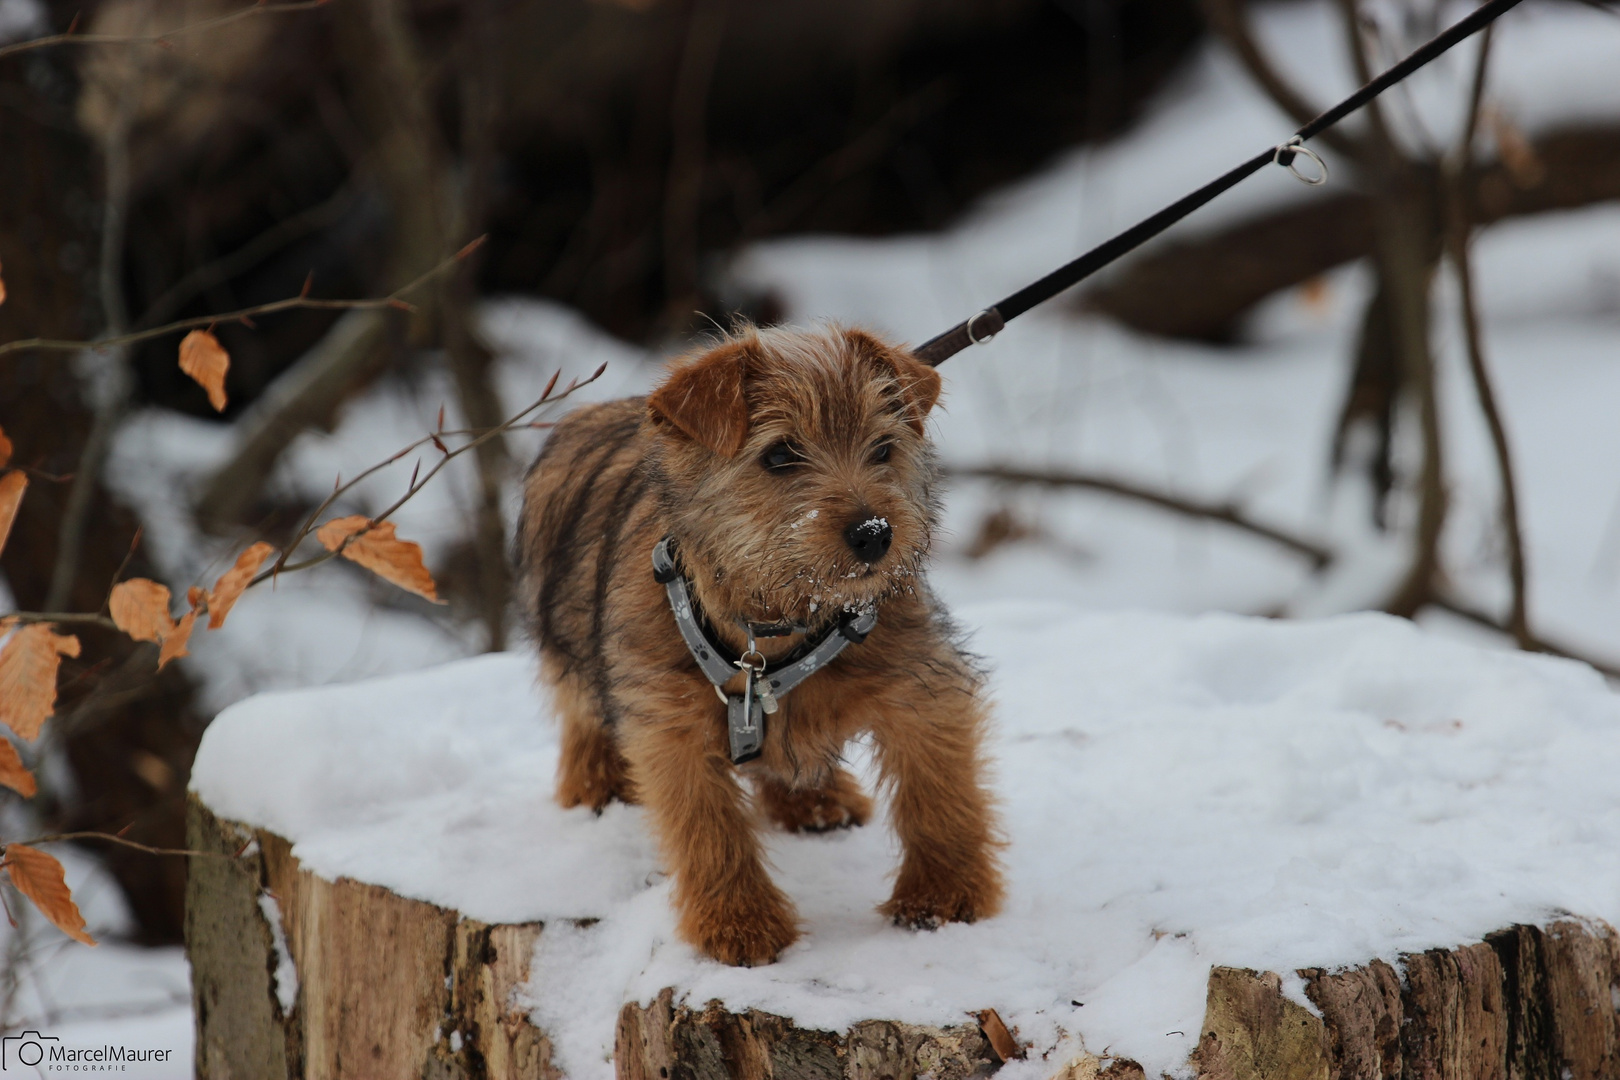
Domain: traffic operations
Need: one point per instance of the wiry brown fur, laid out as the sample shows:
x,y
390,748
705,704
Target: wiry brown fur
x,y
641,723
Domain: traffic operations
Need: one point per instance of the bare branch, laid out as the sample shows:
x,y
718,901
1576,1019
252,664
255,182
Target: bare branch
x,y
394,299
110,388
1458,251
1187,506
475,438
166,37
683,187
247,256
1381,140
517,420
114,838
67,618
1229,20
1464,610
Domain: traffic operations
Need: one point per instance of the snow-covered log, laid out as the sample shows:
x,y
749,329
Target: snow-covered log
x,y
1238,849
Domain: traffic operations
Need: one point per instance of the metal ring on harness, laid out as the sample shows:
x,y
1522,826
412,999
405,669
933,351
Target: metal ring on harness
x,y
1295,148
969,328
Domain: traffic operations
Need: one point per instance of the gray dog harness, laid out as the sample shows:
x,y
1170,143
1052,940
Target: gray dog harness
x,y
764,686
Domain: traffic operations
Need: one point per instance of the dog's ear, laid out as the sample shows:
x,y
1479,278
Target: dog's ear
x,y
703,398
919,384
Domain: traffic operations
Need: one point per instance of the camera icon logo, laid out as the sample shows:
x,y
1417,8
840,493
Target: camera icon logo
x,y
27,1049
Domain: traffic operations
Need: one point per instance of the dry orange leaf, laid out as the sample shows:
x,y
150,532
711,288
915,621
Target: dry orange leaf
x,y
5,448
12,486
1001,1040
228,589
13,773
174,642
28,666
378,550
205,360
140,608
39,877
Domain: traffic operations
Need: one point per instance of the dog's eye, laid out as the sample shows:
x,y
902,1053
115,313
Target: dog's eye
x,y
881,452
780,456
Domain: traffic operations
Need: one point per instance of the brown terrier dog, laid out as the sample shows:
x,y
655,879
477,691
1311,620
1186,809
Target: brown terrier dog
x,y
794,479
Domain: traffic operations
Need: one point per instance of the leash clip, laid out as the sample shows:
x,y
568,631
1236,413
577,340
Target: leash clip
x,y
975,317
1288,154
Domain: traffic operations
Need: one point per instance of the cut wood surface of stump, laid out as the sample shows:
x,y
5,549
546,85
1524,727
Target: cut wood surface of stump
x,y
391,891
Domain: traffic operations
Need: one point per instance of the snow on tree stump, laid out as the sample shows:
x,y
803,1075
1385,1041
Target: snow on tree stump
x,y
391,891
388,986
391,987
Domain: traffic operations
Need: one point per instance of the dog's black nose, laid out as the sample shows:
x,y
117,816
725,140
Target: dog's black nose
x,y
869,538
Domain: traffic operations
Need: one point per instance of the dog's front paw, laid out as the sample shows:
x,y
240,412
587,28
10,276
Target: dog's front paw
x,y
744,934
928,905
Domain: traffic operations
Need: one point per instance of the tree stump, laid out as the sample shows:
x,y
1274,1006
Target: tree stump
x,y
296,976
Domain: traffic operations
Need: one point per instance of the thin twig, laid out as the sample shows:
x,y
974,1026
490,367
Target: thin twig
x,y
247,256
134,542
282,565
1230,20
166,37
812,185
476,437
64,617
99,1012
688,126
392,300
113,838
1458,250
109,388
1187,506
1464,610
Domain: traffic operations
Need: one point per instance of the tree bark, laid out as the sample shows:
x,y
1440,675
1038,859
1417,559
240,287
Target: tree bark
x,y
386,987
1525,1003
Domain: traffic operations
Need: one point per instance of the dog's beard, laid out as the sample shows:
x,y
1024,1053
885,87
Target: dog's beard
x,y
815,591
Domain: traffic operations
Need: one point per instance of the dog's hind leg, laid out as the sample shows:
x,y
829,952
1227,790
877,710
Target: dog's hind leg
x,y
836,803
591,770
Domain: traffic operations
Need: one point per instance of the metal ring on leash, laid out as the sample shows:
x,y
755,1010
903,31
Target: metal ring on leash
x,y
1295,148
969,328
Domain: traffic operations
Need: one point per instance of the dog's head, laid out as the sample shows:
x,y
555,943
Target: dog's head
x,y
796,470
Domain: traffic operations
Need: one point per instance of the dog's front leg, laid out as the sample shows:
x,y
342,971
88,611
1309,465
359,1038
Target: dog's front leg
x,y
726,903
942,810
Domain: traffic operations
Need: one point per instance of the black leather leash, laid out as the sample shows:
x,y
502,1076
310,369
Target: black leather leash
x,y
984,325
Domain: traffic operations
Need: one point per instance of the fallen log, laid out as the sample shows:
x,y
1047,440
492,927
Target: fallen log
x,y
1201,288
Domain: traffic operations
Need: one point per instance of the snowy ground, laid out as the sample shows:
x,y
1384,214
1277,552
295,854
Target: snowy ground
x,y
1179,792
1250,422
